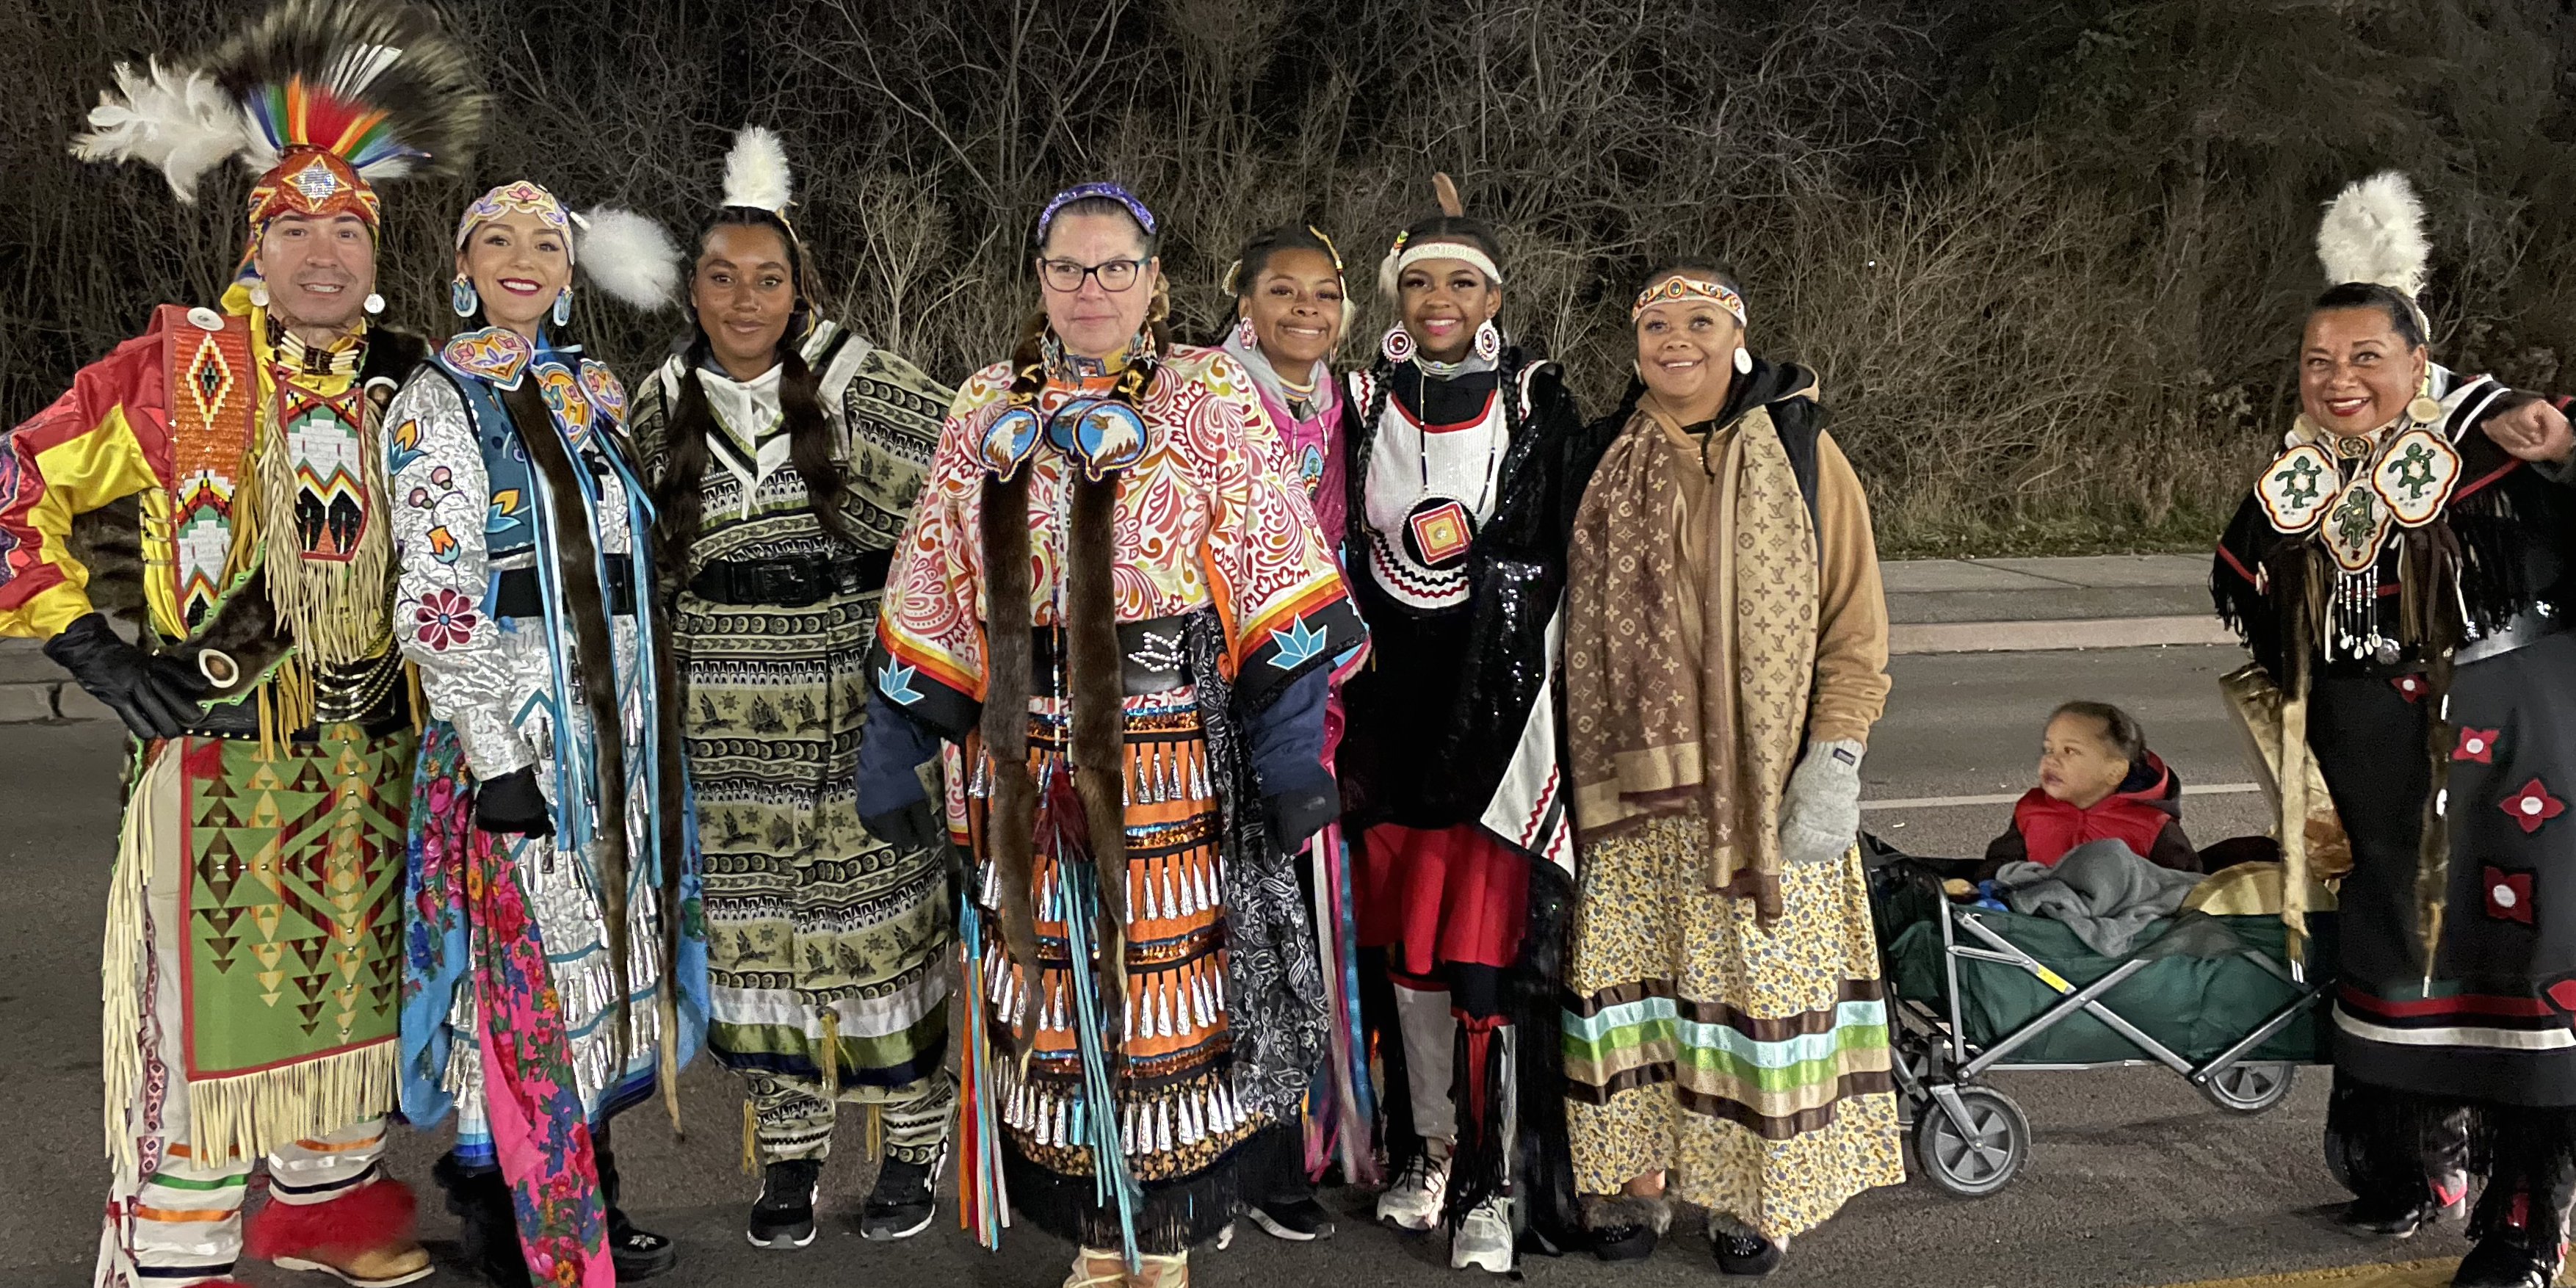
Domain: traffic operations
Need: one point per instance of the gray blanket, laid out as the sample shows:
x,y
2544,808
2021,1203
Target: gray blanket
x,y
2102,890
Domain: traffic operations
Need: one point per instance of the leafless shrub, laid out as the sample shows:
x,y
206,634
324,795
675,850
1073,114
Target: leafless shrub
x,y
2015,328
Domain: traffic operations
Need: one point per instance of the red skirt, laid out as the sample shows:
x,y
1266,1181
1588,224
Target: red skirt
x,y
1451,896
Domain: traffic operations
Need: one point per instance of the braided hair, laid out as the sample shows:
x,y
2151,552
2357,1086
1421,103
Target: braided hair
x,y
800,405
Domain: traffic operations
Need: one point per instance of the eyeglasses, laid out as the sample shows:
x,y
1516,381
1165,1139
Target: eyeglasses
x,y
1065,275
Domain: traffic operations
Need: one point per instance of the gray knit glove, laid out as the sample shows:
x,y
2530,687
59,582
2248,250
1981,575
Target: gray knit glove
x,y
1820,815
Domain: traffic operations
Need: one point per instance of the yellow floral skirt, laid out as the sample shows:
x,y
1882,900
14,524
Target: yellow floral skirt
x,y
1749,1063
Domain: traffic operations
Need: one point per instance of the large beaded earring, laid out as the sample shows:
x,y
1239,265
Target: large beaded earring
x,y
563,307
461,296
1244,334
1396,344
1489,340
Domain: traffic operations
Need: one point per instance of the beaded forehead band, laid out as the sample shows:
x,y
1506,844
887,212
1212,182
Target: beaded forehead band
x,y
1084,191
1688,288
520,197
1408,256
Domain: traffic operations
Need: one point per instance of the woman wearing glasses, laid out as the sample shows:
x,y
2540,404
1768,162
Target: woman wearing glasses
x,y
1127,669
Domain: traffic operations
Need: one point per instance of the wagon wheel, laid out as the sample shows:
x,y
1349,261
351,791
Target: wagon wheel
x,y
1981,1158
2249,1087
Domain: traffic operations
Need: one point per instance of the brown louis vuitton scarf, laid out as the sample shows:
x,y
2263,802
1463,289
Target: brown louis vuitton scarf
x,y
1665,716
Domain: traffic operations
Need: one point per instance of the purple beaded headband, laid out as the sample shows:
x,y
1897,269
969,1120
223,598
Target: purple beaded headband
x,y
1085,191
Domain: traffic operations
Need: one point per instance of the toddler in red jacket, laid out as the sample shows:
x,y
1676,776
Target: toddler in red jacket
x,y
2097,780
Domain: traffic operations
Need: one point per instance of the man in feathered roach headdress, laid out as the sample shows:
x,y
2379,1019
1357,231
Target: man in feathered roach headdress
x,y
252,959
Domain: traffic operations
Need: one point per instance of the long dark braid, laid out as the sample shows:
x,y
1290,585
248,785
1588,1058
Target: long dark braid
x,y
1363,441
810,446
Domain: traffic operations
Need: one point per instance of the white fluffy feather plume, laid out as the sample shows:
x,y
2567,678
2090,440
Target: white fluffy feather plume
x,y
2374,232
178,120
628,256
756,173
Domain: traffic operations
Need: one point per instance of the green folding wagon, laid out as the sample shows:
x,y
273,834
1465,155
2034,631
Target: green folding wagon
x,y
1972,990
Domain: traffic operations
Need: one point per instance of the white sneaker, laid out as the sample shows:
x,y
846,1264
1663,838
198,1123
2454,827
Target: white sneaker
x,y
1414,1201
1484,1239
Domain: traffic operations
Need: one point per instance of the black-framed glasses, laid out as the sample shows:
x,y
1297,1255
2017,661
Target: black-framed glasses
x,y
1066,275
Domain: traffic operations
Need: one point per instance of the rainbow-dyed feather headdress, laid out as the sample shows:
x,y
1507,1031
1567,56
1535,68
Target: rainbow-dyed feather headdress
x,y
322,99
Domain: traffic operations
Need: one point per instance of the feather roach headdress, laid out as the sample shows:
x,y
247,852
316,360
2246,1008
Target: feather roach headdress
x,y
321,99
2374,232
756,173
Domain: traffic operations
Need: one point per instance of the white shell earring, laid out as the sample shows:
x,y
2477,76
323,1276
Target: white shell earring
x,y
2423,408
1743,361
259,293
374,303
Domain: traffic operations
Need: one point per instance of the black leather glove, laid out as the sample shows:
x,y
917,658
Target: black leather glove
x,y
156,696
913,827
513,803
1297,814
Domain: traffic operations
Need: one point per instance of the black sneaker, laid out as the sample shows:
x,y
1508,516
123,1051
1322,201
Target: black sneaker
x,y
784,1215
901,1205
1299,1220
2372,1218
638,1254
487,1226
1742,1252
2505,1260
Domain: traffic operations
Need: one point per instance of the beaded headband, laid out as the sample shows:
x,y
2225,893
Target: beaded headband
x,y
518,196
1689,288
1084,191
1420,251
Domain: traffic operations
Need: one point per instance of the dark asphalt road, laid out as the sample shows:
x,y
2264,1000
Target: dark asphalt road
x,y
2136,1180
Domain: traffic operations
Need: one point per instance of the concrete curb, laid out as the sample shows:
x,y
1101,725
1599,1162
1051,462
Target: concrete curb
x,y
2028,637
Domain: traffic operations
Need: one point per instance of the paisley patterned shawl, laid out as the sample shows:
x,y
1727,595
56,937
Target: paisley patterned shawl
x,y
1655,729
1207,517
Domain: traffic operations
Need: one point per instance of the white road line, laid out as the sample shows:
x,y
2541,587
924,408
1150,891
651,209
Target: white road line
x,y
1950,802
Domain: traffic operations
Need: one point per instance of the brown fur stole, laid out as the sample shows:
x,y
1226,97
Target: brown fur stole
x,y
1097,751
586,606
1010,822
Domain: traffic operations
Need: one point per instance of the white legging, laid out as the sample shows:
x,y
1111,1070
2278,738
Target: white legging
x,y
1430,1061
183,1226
